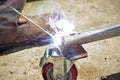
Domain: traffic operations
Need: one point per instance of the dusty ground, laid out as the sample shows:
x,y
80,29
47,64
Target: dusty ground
x,y
103,56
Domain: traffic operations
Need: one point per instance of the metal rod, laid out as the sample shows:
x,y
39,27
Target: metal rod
x,y
93,35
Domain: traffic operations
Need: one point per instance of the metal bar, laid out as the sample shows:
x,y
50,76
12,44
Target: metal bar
x,y
93,35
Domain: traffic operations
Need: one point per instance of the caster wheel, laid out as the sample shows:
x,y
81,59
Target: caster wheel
x,y
47,72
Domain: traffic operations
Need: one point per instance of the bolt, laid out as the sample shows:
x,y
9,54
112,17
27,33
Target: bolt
x,y
59,77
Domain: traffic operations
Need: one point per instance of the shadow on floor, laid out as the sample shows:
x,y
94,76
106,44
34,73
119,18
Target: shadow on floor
x,y
115,76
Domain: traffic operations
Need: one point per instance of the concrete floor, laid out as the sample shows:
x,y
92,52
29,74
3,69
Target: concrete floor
x,y
103,56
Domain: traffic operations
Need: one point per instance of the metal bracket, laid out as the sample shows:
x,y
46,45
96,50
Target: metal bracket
x,y
61,66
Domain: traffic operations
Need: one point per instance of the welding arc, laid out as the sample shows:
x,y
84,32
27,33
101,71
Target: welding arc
x,y
30,20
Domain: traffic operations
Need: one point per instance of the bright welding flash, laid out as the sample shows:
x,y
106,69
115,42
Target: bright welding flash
x,y
65,26
57,40
66,29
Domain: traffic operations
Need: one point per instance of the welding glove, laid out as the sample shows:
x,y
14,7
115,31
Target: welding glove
x,y
16,29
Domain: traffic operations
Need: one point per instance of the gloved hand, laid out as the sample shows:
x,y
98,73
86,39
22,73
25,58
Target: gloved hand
x,y
16,29
24,30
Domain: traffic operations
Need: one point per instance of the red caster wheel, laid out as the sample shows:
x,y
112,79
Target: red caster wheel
x,y
47,72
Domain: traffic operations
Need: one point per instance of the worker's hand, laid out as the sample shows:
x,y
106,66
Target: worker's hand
x,y
24,30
